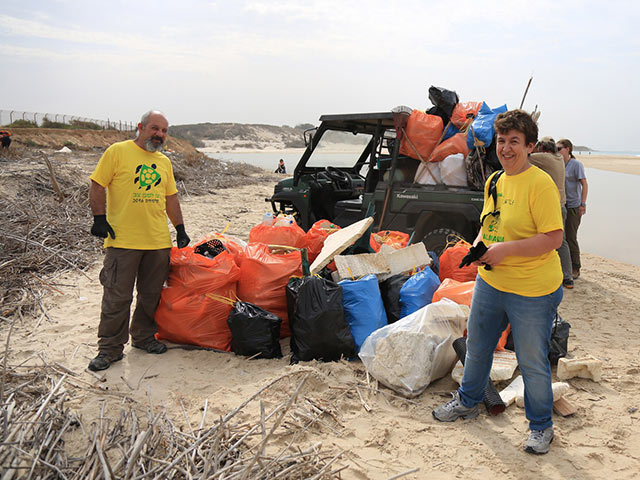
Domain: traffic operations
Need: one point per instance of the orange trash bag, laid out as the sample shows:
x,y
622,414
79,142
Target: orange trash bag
x,y
464,113
287,235
459,292
185,314
451,146
451,258
503,338
315,237
424,132
394,239
263,280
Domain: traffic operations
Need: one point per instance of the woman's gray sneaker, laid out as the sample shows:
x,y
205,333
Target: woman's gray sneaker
x,y
539,441
454,409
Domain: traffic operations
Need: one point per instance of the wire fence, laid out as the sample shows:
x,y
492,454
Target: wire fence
x,y
8,117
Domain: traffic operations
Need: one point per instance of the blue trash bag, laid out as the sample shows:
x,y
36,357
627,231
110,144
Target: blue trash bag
x,y
418,291
363,307
435,262
450,132
482,126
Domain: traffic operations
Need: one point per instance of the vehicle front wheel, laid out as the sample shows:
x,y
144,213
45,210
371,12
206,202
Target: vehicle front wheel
x,y
438,239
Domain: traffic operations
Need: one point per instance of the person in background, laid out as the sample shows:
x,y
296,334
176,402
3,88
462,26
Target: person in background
x,y
523,288
576,188
281,168
5,138
131,189
546,158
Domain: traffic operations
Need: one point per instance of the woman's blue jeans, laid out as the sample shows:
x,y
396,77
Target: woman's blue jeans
x,y
531,320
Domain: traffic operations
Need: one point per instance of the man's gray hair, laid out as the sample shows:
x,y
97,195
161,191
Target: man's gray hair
x,y
146,115
547,144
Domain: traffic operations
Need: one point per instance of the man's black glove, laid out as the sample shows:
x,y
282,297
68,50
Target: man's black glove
x,y
474,254
182,239
101,227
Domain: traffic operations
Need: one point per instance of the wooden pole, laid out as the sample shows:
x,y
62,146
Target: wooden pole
x,y
526,90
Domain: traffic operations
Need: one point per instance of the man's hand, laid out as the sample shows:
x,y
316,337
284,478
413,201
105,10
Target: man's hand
x,y
101,227
582,210
182,239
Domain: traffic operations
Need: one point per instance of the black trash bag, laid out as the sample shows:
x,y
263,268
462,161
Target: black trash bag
x,y
478,162
439,113
319,330
444,99
390,291
559,344
210,249
254,331
291,293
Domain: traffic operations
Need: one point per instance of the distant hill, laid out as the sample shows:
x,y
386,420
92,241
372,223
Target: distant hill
x,y
230,136
581,148
79,139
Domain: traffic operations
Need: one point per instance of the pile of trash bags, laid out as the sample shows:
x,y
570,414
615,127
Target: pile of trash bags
x,y
453,140
229,295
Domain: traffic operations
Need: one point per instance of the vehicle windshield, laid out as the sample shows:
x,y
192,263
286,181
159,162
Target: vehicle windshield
x,y
338,149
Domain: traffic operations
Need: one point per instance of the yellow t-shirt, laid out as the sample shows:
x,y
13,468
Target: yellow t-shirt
x,y
529,204
137,183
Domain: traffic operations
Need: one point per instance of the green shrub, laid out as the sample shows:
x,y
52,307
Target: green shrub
x,y
85,125
46,123
23,124
30,143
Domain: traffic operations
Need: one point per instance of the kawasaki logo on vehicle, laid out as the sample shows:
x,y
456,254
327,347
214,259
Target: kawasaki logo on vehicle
x,y
413,196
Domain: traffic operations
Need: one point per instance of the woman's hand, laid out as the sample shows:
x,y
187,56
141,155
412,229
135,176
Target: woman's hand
x,y
527,247
495,254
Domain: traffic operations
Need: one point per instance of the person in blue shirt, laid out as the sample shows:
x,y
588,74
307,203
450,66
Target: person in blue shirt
x,y
576,189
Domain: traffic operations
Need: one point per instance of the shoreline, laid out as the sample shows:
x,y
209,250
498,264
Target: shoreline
x,y
613,163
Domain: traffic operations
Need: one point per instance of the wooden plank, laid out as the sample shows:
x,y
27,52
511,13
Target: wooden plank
x,y
563,407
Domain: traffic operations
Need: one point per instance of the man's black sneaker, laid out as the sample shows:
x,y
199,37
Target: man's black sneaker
x,y
103,361
152,346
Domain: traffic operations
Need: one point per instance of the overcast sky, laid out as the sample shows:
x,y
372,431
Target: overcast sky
x,y
288,62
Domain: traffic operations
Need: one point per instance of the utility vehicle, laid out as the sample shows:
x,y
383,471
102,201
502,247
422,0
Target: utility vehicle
x,y
373,179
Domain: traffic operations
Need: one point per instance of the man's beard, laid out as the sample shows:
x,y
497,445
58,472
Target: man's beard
x,y
153,144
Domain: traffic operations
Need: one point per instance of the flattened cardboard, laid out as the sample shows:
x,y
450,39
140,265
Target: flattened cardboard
x,y
339,241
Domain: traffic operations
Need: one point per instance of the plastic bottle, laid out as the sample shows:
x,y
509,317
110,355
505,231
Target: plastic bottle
x,y
284,221
267,219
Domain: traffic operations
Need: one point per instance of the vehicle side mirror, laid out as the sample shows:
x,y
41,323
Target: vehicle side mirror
x,y
308,135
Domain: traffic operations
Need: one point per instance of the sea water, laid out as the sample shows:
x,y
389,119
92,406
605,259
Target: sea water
x,y
610,228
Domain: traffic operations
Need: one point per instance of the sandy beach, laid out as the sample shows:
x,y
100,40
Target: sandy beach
x,y
376,433
620,164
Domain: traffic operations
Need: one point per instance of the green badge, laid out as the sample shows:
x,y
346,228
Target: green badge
x,y
147,176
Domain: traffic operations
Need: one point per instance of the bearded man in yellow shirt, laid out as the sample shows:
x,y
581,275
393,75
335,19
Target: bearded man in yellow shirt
x,y
132,193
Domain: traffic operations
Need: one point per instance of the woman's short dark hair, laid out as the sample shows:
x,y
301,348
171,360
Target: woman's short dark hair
x,y
517,120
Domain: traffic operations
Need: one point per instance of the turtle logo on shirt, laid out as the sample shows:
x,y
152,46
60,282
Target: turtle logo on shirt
x,y
147,177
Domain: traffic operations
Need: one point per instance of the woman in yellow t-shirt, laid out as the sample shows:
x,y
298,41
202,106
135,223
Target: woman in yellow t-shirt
x,y
519,281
